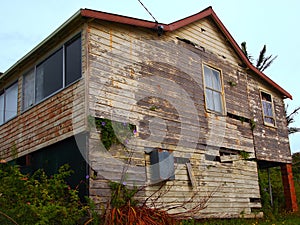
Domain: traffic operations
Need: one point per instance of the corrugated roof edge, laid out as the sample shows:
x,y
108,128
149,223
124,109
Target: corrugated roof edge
x,y
153,25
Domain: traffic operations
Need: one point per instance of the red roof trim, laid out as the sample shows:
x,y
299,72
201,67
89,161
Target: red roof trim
x,y
118,18
245,59
181,23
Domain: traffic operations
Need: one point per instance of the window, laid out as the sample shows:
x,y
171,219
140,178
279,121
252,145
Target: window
x,y
49,76
267,108
162,165
213,90
8,103
73,61
28,89
1,108
59,70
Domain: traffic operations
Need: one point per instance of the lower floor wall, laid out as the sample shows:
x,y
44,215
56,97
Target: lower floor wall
x,y
200,186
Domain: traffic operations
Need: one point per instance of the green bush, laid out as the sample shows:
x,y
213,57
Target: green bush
x,y
38,199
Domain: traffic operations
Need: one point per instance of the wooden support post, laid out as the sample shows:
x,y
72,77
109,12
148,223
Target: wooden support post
x,y
270,188
289,188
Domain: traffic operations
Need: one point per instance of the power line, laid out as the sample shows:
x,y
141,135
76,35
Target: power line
x,y
148,11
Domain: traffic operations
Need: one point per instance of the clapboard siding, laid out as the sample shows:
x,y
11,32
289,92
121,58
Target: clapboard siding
x,y
211,38
55,118
44,124
135,76
155,82
271,143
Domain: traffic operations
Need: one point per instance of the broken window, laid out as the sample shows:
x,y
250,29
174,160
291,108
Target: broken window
x,y
267,108
8,103
213,90
59,70
162,165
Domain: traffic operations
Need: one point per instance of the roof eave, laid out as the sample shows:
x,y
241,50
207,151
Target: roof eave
x,y
119,19
153,25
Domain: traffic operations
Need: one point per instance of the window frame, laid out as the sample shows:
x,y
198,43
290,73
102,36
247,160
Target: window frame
x,y
221,92
33,69
262,109
3,92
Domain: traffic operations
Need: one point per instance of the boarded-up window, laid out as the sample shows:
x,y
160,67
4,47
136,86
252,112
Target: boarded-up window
x,y
162,165
267,108
213,90
9,103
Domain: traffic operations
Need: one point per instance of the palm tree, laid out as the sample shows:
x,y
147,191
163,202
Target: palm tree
x,y
263,63
290,120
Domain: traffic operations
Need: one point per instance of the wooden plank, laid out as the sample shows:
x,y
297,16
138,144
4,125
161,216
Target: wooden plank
x,y
191,174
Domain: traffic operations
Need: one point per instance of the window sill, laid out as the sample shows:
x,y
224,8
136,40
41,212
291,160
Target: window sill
x,y
54,93
7,121
270,125
224,114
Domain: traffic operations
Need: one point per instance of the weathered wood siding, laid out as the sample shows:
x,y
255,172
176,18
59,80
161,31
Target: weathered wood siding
x,y
55,119
58,117
271,143
156,83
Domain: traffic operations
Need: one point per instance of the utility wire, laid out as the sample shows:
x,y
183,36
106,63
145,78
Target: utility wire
x,y
148,11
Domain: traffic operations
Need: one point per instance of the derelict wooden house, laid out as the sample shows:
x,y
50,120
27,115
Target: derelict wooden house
x,y
187,107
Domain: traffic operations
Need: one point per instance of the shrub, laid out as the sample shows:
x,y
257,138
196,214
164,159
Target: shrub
x,y
38,199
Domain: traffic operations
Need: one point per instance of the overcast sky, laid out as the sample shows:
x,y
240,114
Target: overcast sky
x,y
24,24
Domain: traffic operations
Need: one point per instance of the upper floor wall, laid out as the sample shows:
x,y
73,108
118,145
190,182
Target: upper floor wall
x,y
136,75
130,70
44,101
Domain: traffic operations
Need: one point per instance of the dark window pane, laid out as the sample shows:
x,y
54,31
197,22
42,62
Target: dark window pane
x,y
73,61
266,97
49,76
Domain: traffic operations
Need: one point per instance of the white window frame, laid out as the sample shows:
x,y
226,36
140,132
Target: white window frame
x,y
220,92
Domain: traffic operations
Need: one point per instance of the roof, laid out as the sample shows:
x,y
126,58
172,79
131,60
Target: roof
x,y
208,12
